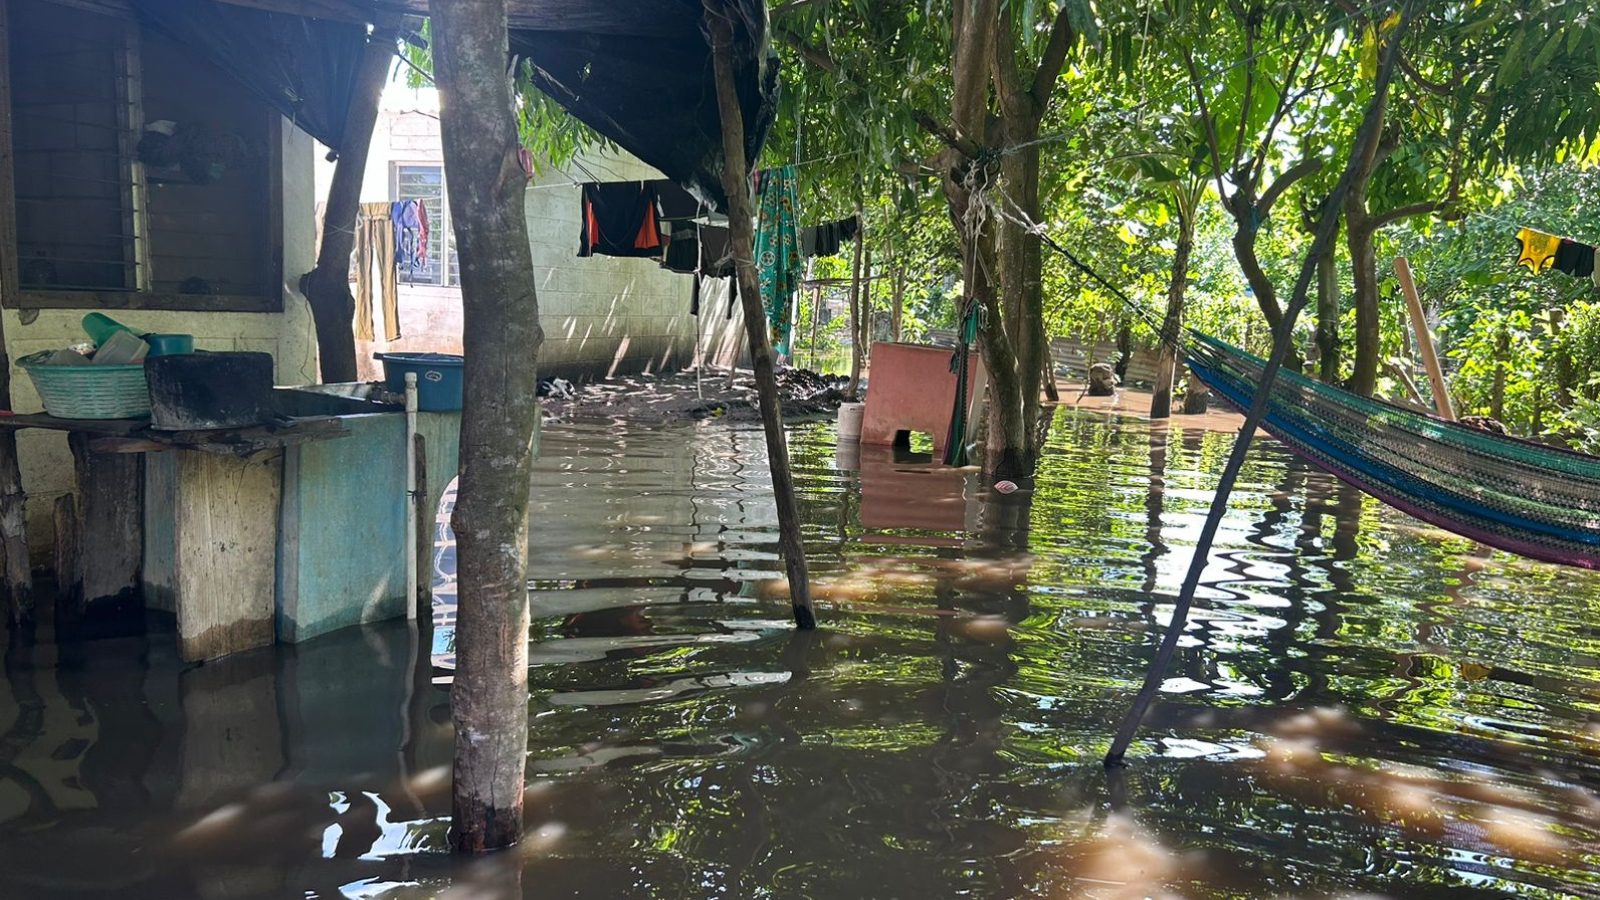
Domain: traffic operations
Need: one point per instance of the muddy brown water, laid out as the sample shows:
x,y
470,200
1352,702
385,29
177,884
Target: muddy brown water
x,y
1364,706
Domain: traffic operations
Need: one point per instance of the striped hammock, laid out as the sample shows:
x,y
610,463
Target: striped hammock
x,y
1515,495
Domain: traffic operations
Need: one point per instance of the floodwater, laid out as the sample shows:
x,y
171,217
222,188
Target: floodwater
x,y
1363,706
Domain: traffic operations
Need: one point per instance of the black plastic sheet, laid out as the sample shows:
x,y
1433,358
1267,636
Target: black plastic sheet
x,y
643,78
303,67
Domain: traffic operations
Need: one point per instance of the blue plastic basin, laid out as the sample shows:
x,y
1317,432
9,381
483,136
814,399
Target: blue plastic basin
x,y
439,378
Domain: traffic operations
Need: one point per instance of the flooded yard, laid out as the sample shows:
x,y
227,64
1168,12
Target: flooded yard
x,y
1363,705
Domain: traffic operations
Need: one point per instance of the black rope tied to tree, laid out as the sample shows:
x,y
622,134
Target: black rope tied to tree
x,y
1281,343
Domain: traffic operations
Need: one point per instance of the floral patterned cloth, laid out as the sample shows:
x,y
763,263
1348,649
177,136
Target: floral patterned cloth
x,y
778,250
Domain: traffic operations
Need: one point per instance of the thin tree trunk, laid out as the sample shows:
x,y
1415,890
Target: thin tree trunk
x,y
741,242
1021,266
1502,358
327,287
1172,322
501,337
1328,319
865,324
897,315
851,390
1359,235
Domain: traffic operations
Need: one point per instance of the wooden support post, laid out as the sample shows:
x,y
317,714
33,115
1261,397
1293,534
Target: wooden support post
x,y
427,532
1419,323
68,562
16,573
735,183
327,287
225,550
501,338
111,516
816,316
852,390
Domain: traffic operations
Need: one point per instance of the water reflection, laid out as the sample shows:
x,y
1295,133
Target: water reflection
x,y
1361,706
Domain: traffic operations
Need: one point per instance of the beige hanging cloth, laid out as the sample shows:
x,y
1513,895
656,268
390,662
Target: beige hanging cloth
x,y
375,245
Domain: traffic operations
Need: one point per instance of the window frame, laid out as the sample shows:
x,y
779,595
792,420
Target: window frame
x,y
439,224
11,294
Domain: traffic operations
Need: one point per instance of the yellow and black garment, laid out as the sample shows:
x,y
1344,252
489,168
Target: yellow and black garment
x,y
1536,250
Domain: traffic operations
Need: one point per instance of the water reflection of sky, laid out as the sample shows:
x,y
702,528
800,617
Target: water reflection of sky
x,y
1361,704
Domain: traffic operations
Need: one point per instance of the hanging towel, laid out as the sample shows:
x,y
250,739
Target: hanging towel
x,y
1574,259
375,243
620,219
1535,249
777,251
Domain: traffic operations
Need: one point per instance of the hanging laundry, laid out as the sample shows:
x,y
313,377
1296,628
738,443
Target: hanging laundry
x,y
1535,249
673,202
620,219
410,249
683,249
1574,259
828,239
698,248
375,244
777,251
422,231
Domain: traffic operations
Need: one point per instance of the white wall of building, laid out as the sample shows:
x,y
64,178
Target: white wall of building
x,y
601,316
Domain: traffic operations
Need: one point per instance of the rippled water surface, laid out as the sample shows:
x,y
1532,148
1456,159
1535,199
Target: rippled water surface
x,y
1362,706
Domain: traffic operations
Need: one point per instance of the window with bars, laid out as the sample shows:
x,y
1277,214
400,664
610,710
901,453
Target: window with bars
x,y
98,221
439,264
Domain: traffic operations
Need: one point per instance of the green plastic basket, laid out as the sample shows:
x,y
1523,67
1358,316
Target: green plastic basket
x,y
89,391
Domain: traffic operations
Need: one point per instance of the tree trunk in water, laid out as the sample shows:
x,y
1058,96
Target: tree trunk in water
x,y
327,287
501,337
741,241
852,390
1021,268
1172,322
1328,319
1359,235
865,324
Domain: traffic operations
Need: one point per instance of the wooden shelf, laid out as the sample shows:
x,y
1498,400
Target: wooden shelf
x,y
137,435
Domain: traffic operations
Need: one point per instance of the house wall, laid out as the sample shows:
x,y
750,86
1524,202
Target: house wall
x,y
288,336
601,316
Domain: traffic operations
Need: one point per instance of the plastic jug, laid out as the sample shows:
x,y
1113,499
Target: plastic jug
x,y
100,327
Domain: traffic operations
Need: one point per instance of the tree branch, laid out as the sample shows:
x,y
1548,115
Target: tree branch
x,y
1299,170
1432,87
946,134
817,56
1210,126
1051,62
783,9
1427,207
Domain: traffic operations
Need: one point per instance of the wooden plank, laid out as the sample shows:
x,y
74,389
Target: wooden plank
x,y
69,575
1419,323
226,540
18,576
111,494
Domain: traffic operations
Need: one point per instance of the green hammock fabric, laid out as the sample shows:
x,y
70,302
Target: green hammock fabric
x,y
1534,500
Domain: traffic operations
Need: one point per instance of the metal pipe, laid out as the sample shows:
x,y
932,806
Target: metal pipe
x,y
411,496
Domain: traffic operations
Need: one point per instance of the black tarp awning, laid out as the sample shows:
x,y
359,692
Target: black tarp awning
x,y
303,67
637,71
